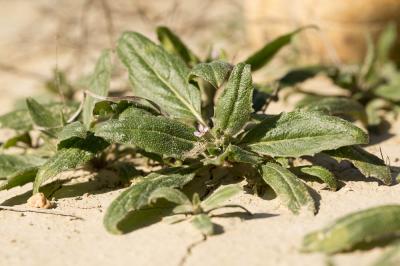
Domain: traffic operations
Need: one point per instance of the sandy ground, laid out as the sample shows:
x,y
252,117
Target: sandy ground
x,y
271,237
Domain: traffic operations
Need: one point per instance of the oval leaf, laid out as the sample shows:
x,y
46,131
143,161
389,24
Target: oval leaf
x,y
364,226
137,196
219,196
99,84
321,173
292,191
159,76
203,223
301,133
234,106
153,133
171,194
215,72
368,164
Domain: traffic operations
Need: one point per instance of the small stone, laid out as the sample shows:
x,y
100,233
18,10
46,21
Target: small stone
x,y
39,200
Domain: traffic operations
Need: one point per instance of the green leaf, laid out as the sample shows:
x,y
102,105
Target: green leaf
x,y
219,196
292,191
301,133
74,153
43,117
73,130
356,228
215,72
265,54
337,106
19,178
386,42
137,196
237,154
159,76
321,173
17,120
390,91
299,75
99,84
174,45
171,194
152,133
368,164
234,106
203,223
11,164
12,142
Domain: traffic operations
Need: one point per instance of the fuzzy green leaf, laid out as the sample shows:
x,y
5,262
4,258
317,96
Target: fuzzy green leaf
x,y
159,76
43,117
203,223
301,133
99,84
321,173
18,120
73,130
152,133
19,178
219,196
390,91
74,153
234,106
11,164
171,194
356,228
215,72
336,106
368,164
386,42
174,45
237,154
137,196
292,191
265,54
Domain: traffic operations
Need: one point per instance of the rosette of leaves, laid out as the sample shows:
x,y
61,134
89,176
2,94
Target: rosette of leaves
x,y
371,90
196,123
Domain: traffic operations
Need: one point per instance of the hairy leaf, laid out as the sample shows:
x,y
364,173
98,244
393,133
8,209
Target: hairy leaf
x,y
237,154
74,153
234,106
363,226
19,178
203,223
43,117
336,106
301,133
265,54
75,129
17,120
321,173
153,133
11,164
288,187
99,84
215,72
159,76
137,196
171,194
174,45
368,164
219,196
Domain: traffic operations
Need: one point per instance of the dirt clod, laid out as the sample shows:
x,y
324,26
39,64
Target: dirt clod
x,y
39,200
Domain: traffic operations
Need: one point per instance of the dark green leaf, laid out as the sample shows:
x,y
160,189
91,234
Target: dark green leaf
x,y
215,72
174,45
22,138
288,187
359,227
99,84
159,76
153,133
368,164
301,133
75,129
237,154
234,106
299,75
19,178
137,196
265,54
321,173
74,153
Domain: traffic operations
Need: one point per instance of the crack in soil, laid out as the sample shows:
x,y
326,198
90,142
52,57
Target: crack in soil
x,y
189,250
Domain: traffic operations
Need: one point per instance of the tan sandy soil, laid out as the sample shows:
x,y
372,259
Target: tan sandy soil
x,y
271,237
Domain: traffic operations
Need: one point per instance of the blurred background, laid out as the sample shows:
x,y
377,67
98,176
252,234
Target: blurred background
x,y
41,36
